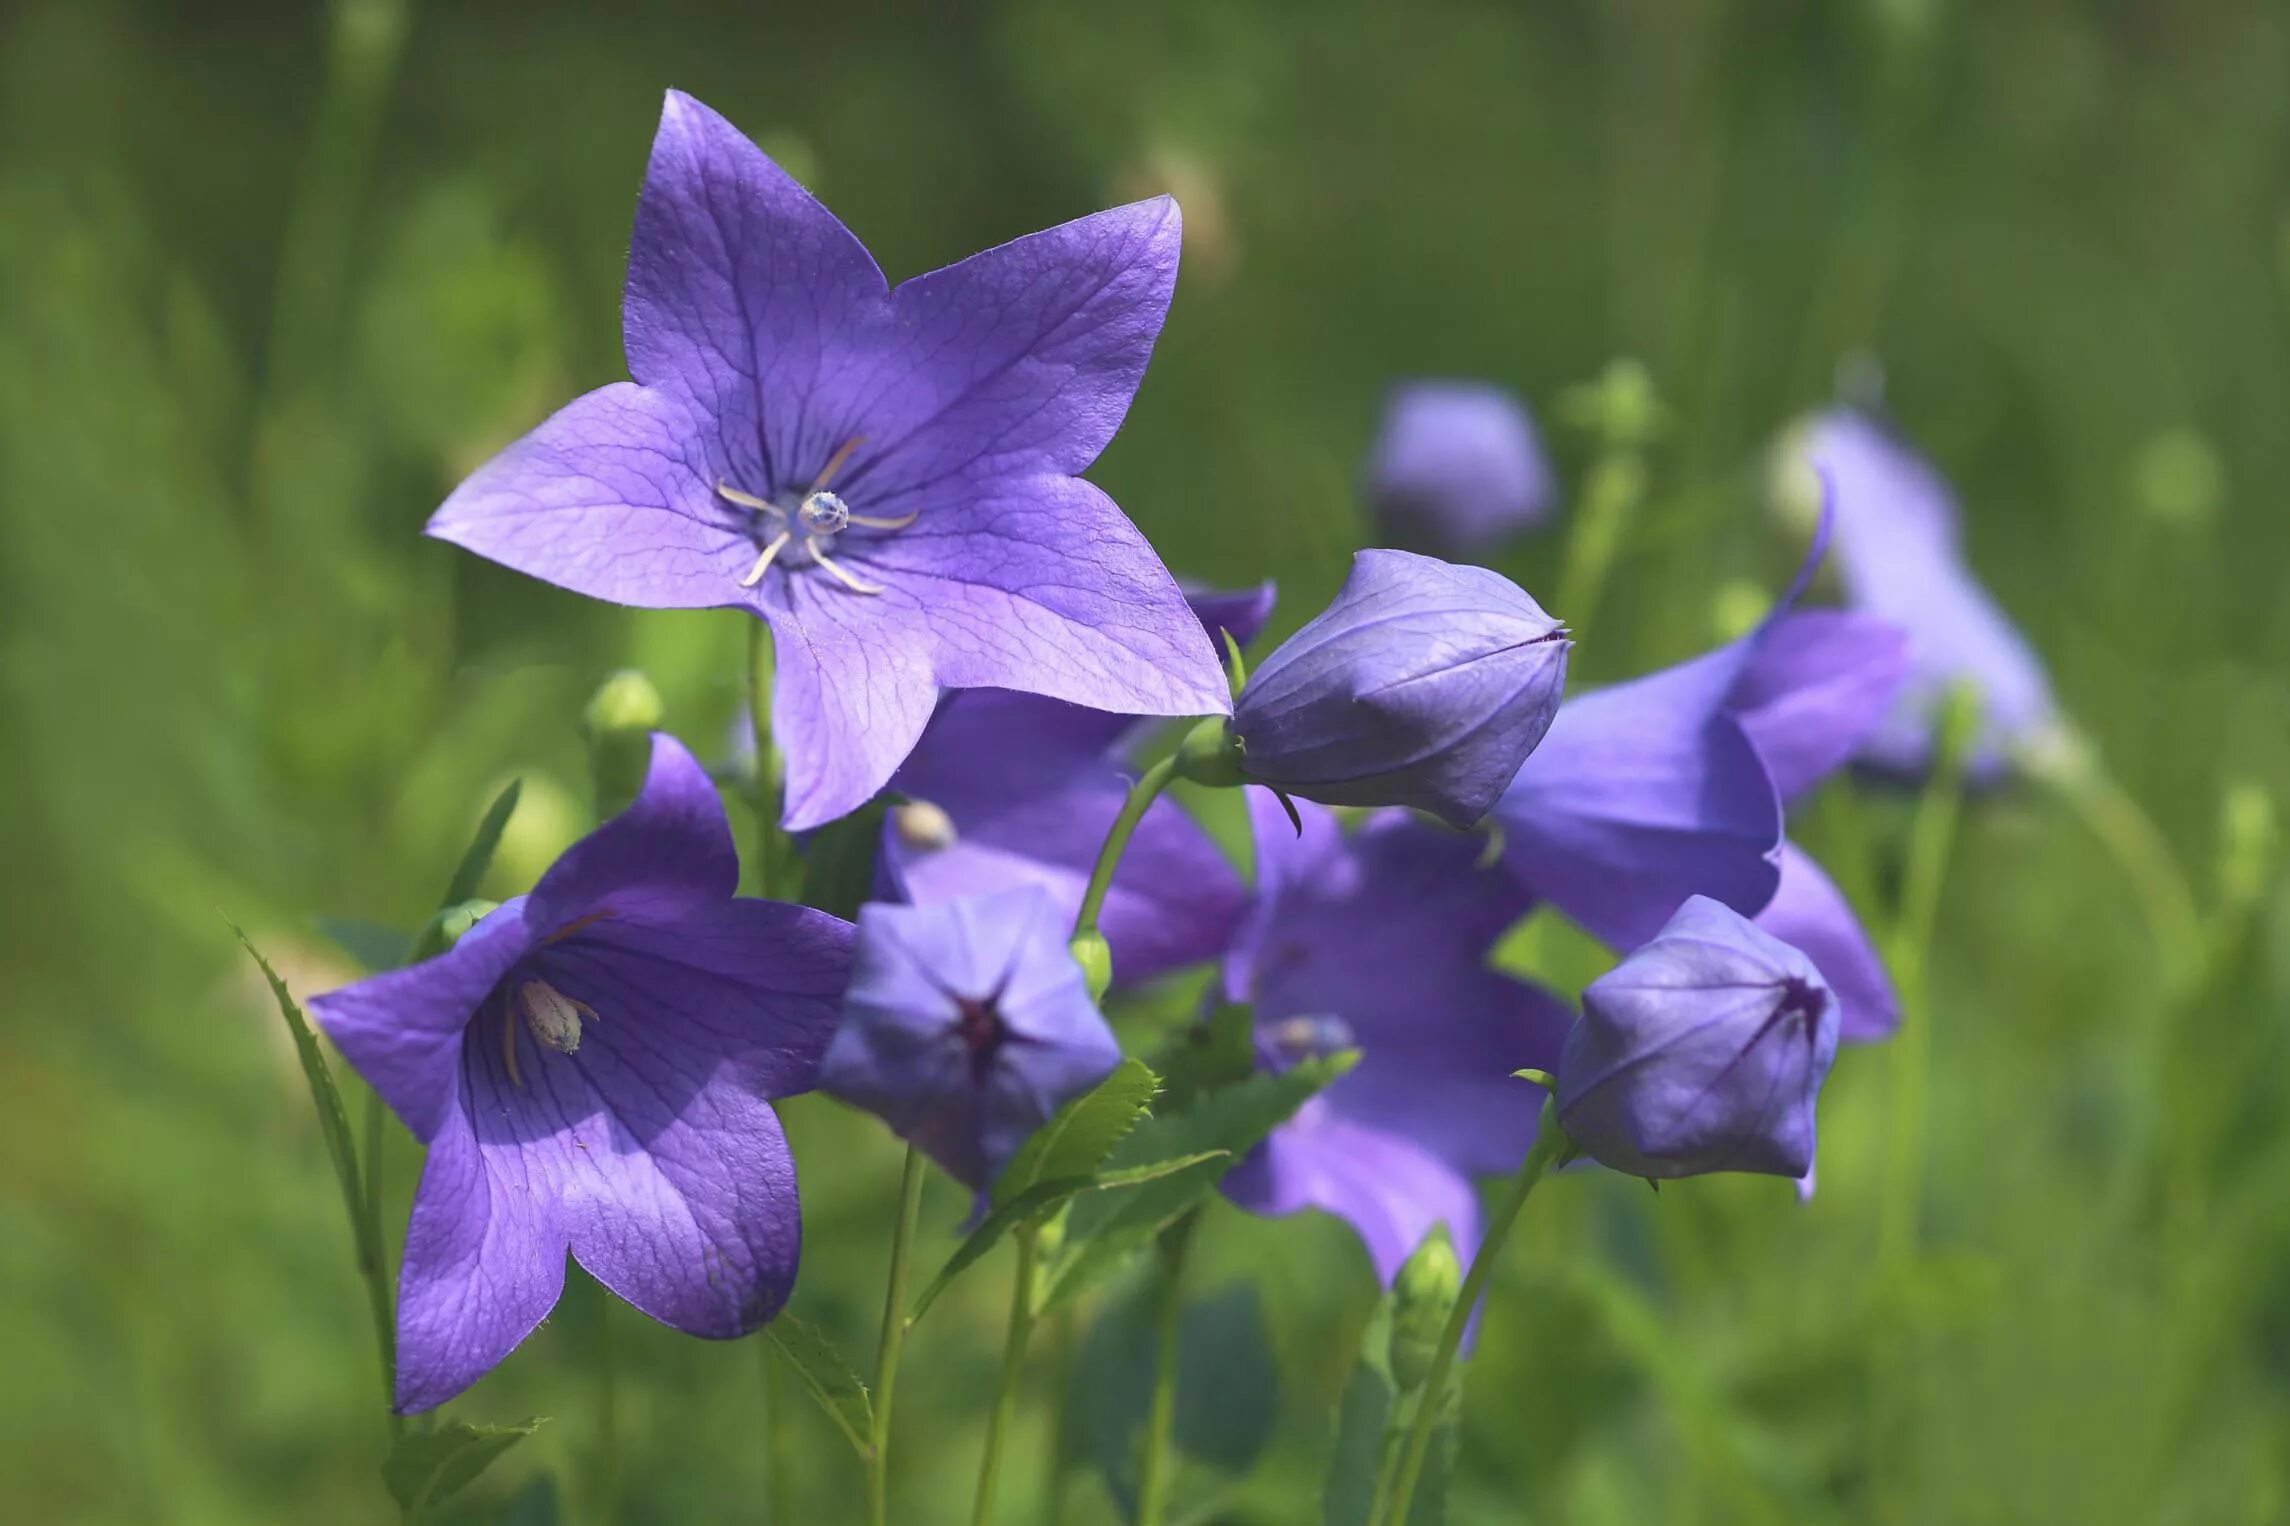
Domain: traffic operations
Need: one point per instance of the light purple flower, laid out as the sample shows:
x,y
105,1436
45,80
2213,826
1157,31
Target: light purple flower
x,y
1457,468
1423,684
1025,789
967,1025
590,1067
1379,941
1810,914
1899,556
1702,1051
886,476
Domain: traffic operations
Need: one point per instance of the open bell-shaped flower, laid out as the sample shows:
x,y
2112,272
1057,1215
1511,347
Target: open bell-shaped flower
x,y
1423,684
1702,1051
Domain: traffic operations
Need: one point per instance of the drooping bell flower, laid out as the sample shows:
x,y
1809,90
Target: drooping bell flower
x,y
1423,684
1378,941
1457,469
1008,789
1701,1051
966,1026
591,1066
886,476
1810,914
1899,556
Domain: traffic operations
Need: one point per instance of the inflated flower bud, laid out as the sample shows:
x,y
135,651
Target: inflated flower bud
x,y
618,725
1702,1051
1423,1295
1457,468
1424,684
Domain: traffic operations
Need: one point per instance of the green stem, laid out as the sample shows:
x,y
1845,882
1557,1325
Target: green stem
x,y
1617,485
778,1507
1141,794
607,1409
373,1262
1013,1368
895,1326
1160,1420
1551,1148
770,780
2140,850
1061,1382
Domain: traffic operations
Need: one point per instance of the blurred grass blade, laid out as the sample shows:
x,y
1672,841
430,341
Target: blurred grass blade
x,y
479,856
427,1468
1080,1134
830,1379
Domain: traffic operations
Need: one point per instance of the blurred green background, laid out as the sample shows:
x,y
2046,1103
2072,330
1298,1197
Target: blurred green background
x,y
275,276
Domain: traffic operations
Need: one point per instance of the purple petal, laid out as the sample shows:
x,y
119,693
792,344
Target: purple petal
x,y
749,302
1814,688
671,850
612,496
853,693
1644,794
1391,1190
484,1262
1812,915
1457,468
1023,358
401,1030
1243,612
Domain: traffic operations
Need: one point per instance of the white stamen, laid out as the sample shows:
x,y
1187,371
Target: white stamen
x,y
835,461
824,514
877,522
811,544
730,494
553,1017
763,562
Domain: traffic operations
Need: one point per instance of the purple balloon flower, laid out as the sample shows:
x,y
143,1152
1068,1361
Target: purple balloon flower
x,y
1810,914
1423,684
1702,1051
967,1025
1379,941
1015,789
1899,556
590,1067
1457,468
886,476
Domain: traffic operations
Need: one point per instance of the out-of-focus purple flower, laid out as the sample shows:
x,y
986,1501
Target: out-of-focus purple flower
x,y
886,476
1810,914
1457,468
1702,1051
1023,790
1379,941
967,1025
1423,684
590,1067
1899,556
1813,688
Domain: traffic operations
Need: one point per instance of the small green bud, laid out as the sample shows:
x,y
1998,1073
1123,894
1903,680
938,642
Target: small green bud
x,y
1095,957
1737,608
2180,478
1210,754
618,725
2249,836
1620,405
447,927
1423,1296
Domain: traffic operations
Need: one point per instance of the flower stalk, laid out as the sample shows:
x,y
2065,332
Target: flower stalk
x,y
896,1323
1013,1369
1141,796
1161,1418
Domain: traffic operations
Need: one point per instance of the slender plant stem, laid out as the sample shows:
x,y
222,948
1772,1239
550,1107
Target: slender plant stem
x,y
778,1508
1141,794
374,1262
770,842
895,1325
1161,1418
1013,1368
1061,1379
2144,855
1551,1148
1610,501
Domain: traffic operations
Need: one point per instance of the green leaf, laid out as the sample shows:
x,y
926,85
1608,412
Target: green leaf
x,y
839,861
1371,1430
1037,1201
829,1378
1103,1230
1081,1134
478,857
370,943
1216,1052
427,1468
333,1122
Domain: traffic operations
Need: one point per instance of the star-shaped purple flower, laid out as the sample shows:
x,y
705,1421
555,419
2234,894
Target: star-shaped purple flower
x,y
1023,790
886,476
590,1066
966,1026
1378,940
1457,469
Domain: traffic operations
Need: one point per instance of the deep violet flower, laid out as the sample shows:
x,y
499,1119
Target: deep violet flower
x,y
967,1025
590,1066
1702,1051
1009,789
1457,468
1899,556
885,476
1423,684
1378,940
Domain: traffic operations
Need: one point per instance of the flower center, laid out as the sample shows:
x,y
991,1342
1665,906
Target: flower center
x,y
982,1032
816,518
1309,1037
552,1017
